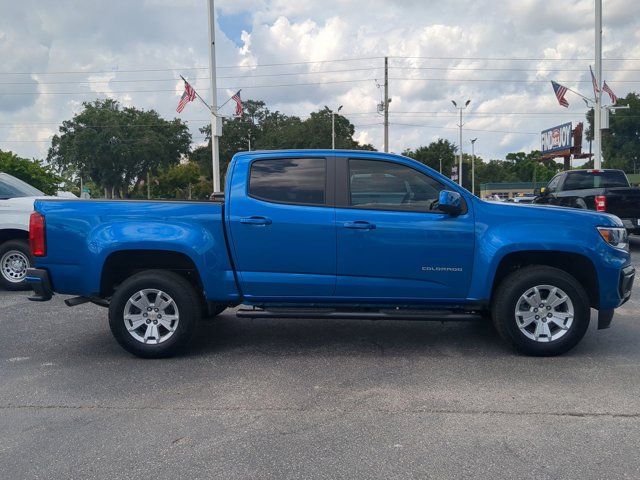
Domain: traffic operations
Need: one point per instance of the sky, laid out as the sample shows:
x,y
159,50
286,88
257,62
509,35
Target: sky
x,y
299,56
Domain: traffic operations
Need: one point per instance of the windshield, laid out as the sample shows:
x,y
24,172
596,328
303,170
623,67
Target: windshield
x,y
11,187
595,179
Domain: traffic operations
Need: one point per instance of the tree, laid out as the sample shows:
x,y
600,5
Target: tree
x,y
439,151
34,172
621,142
271,130
115,147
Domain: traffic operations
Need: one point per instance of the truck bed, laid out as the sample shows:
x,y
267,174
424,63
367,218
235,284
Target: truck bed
x,y
82,234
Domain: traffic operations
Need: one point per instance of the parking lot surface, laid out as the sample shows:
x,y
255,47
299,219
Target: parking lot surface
x,y
313,398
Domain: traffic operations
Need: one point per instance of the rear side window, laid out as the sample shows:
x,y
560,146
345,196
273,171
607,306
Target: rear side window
x,y
289,180
592,179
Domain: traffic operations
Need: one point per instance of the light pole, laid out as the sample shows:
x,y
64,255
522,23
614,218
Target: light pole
x,y
216,123
333,127
473,166
460,125
597,113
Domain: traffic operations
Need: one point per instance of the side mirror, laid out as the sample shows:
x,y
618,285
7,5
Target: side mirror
x,y
450,202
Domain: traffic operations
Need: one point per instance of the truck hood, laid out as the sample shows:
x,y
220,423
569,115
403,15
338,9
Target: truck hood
x,y
552,214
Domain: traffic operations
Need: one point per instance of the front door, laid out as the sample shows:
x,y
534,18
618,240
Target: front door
x,y
393,242
282,228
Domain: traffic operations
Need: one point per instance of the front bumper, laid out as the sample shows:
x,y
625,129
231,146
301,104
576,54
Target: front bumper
x,y
627,275
625,284
38,280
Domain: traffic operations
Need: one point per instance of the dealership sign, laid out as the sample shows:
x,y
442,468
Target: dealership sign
x,y
557,138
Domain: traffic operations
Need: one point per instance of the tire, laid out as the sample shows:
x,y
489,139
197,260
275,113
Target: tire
x,y
145,333
15,258
511,311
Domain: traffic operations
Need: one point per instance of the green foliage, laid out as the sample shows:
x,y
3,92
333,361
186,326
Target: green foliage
x,y
621,142
518,167
177,180
436,153
270,130
34,172
115,147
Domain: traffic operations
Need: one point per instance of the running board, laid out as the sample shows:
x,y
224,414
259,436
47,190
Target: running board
x,y
320,313
75,301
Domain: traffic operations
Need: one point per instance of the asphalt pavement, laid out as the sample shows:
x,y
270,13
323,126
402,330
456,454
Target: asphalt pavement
x,y
313,399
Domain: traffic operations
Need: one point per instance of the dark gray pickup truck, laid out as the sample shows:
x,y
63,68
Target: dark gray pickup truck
x,y
600,190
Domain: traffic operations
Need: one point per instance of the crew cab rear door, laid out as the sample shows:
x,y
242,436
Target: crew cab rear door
x,y
393,242
281,221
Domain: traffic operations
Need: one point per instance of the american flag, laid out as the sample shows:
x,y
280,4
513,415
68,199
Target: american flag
x,y
236,98
605,88
560,92
189,95
594,83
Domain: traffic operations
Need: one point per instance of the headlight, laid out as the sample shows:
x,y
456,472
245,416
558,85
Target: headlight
x,y
615,236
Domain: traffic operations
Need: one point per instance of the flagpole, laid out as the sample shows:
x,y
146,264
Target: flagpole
x,y
198,95
229,99
597,120
216,127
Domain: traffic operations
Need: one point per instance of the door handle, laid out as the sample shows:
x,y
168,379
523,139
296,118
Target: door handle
x,y
255,220
359,225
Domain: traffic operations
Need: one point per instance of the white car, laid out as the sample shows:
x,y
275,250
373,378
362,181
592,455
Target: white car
x,y
16,205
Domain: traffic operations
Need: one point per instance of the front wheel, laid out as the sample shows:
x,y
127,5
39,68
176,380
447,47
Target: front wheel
x,y
541,311
15,258
153,314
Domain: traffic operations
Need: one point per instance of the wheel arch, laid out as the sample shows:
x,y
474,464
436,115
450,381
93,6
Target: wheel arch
x,y
575,264
7,234
120,265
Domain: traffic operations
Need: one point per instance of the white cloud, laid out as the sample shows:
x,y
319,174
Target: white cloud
x,y
116,37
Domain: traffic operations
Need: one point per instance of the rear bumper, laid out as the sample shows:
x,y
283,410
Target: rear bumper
x,y
38,280
631,224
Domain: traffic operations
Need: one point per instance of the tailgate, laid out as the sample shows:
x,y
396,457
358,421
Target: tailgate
x,y
624,202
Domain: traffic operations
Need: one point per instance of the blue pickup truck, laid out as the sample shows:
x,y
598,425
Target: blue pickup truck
x,y
332,234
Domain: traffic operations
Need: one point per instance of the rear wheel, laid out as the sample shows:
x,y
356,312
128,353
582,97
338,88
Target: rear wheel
x,y
153,314
541,311
15,258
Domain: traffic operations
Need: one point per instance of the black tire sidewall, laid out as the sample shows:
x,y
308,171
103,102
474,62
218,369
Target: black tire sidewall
x,y
515,285
183,295
23,247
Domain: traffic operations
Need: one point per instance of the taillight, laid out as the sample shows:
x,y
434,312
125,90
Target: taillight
x,y
37,240
601,203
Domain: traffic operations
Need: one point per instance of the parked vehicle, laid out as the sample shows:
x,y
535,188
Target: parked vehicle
x,y
600,190
523,199
333,234
16,205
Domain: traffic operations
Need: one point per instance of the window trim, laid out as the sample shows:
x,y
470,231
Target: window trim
x,y
343,189
329,180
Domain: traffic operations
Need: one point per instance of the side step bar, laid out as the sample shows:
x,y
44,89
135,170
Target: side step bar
x,y
421,315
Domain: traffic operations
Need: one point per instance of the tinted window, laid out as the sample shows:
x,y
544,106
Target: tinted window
x,y
289,180
11,187
390,186
586,180
553,185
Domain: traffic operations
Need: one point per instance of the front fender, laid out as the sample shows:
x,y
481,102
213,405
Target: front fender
x,y
497,240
